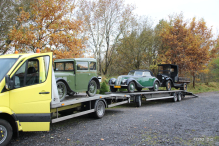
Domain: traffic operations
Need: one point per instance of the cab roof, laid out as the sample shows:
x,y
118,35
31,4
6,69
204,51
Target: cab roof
x,y
75,59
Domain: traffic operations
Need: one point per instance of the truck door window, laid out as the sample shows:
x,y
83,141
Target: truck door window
x,y
92,65
82,65
31,72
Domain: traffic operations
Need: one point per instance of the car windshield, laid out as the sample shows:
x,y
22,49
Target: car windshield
x,y
164,70
131,73
6,64
135,73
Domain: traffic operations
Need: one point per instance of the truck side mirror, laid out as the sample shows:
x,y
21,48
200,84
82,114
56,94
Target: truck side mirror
x,y
9,84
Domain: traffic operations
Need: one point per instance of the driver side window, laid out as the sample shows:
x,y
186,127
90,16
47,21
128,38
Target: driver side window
x,y
27,74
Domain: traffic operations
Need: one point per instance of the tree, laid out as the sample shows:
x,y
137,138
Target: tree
x,y
9,11
105,20
49,27
188,45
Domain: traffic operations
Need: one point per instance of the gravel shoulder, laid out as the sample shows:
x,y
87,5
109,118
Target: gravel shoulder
x,y
193,121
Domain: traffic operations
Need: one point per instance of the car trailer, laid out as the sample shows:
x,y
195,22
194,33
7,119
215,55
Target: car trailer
x,y
138,97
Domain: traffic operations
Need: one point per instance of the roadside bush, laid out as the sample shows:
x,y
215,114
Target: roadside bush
x,y
104,88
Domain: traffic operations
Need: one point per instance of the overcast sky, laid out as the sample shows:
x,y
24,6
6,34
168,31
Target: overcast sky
x,y
160,9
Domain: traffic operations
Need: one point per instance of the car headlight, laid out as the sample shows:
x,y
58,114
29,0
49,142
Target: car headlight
x,y
162,77
113,81
124,81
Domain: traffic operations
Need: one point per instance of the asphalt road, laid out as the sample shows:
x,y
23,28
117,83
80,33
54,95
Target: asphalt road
x,y
193,121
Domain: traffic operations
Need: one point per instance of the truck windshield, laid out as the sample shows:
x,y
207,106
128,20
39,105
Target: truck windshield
x,y
6,64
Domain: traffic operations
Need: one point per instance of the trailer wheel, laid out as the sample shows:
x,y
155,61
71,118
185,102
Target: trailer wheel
x,y
131,87
138,101
174,97
179,96
6,132
62,90
168,85
99,110
112,89
92,89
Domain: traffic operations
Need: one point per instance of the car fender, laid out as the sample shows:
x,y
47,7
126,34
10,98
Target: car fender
x,y
168,78
66,83
156,80
97,81
136,82
111,80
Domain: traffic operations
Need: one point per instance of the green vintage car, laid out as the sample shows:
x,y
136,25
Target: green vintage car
x,y
136,79
76,75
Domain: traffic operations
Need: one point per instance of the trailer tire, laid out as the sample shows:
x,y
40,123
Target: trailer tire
x,y
179,96
139,101
6,132
99,110
174,97
168,85
62,90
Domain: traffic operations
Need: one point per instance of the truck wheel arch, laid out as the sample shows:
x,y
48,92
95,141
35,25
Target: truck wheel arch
x,y
12,121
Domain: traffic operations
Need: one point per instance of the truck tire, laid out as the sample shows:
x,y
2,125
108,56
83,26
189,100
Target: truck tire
x,y
62,90
92,88
179,96
112,89
168,85
6,132
99,110
131,87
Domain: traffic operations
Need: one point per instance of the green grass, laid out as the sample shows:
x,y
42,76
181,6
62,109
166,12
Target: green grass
x,y
202,87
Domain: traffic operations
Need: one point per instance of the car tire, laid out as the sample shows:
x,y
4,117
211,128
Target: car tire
x,y
184,88
62,90
179,96
6,131
131,87
168,85
92,88
156,86
139,89
112,89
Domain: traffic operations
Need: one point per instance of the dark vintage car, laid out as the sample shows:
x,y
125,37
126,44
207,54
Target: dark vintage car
x,y
136,79
169,77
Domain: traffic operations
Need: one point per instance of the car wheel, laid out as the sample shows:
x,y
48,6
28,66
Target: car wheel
x,y
156,86
139,89
92,89
6,132
168,85
184,88
131,87
62,90
112,89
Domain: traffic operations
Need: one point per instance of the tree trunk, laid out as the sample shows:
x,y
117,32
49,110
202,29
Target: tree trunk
x,y
193,80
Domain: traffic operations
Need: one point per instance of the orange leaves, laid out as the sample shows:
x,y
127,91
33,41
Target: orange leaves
x,y
51,27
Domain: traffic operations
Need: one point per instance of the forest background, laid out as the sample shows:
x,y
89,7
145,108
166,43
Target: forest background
x,y
109,31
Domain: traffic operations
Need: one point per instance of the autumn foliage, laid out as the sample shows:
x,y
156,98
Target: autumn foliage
x,y
49,27
189,45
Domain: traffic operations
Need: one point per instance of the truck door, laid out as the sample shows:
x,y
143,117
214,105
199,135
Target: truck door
x,y
30,100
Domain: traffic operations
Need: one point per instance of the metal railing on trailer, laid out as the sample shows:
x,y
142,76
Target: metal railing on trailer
x,y
137,97
95,104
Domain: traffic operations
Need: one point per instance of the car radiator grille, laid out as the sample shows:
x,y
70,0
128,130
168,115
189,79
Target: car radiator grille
x,y
118,81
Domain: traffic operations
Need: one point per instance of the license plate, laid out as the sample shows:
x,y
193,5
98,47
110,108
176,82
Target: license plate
x,y
117,86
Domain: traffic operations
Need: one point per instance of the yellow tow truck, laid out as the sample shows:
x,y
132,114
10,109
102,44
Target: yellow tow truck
x,y
29,99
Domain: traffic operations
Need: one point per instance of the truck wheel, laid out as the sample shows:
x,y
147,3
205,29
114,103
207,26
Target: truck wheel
x,y
92,89
184,88
6,132
168,85
99,110
131,87
174,97
179,96
62,90
112,89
